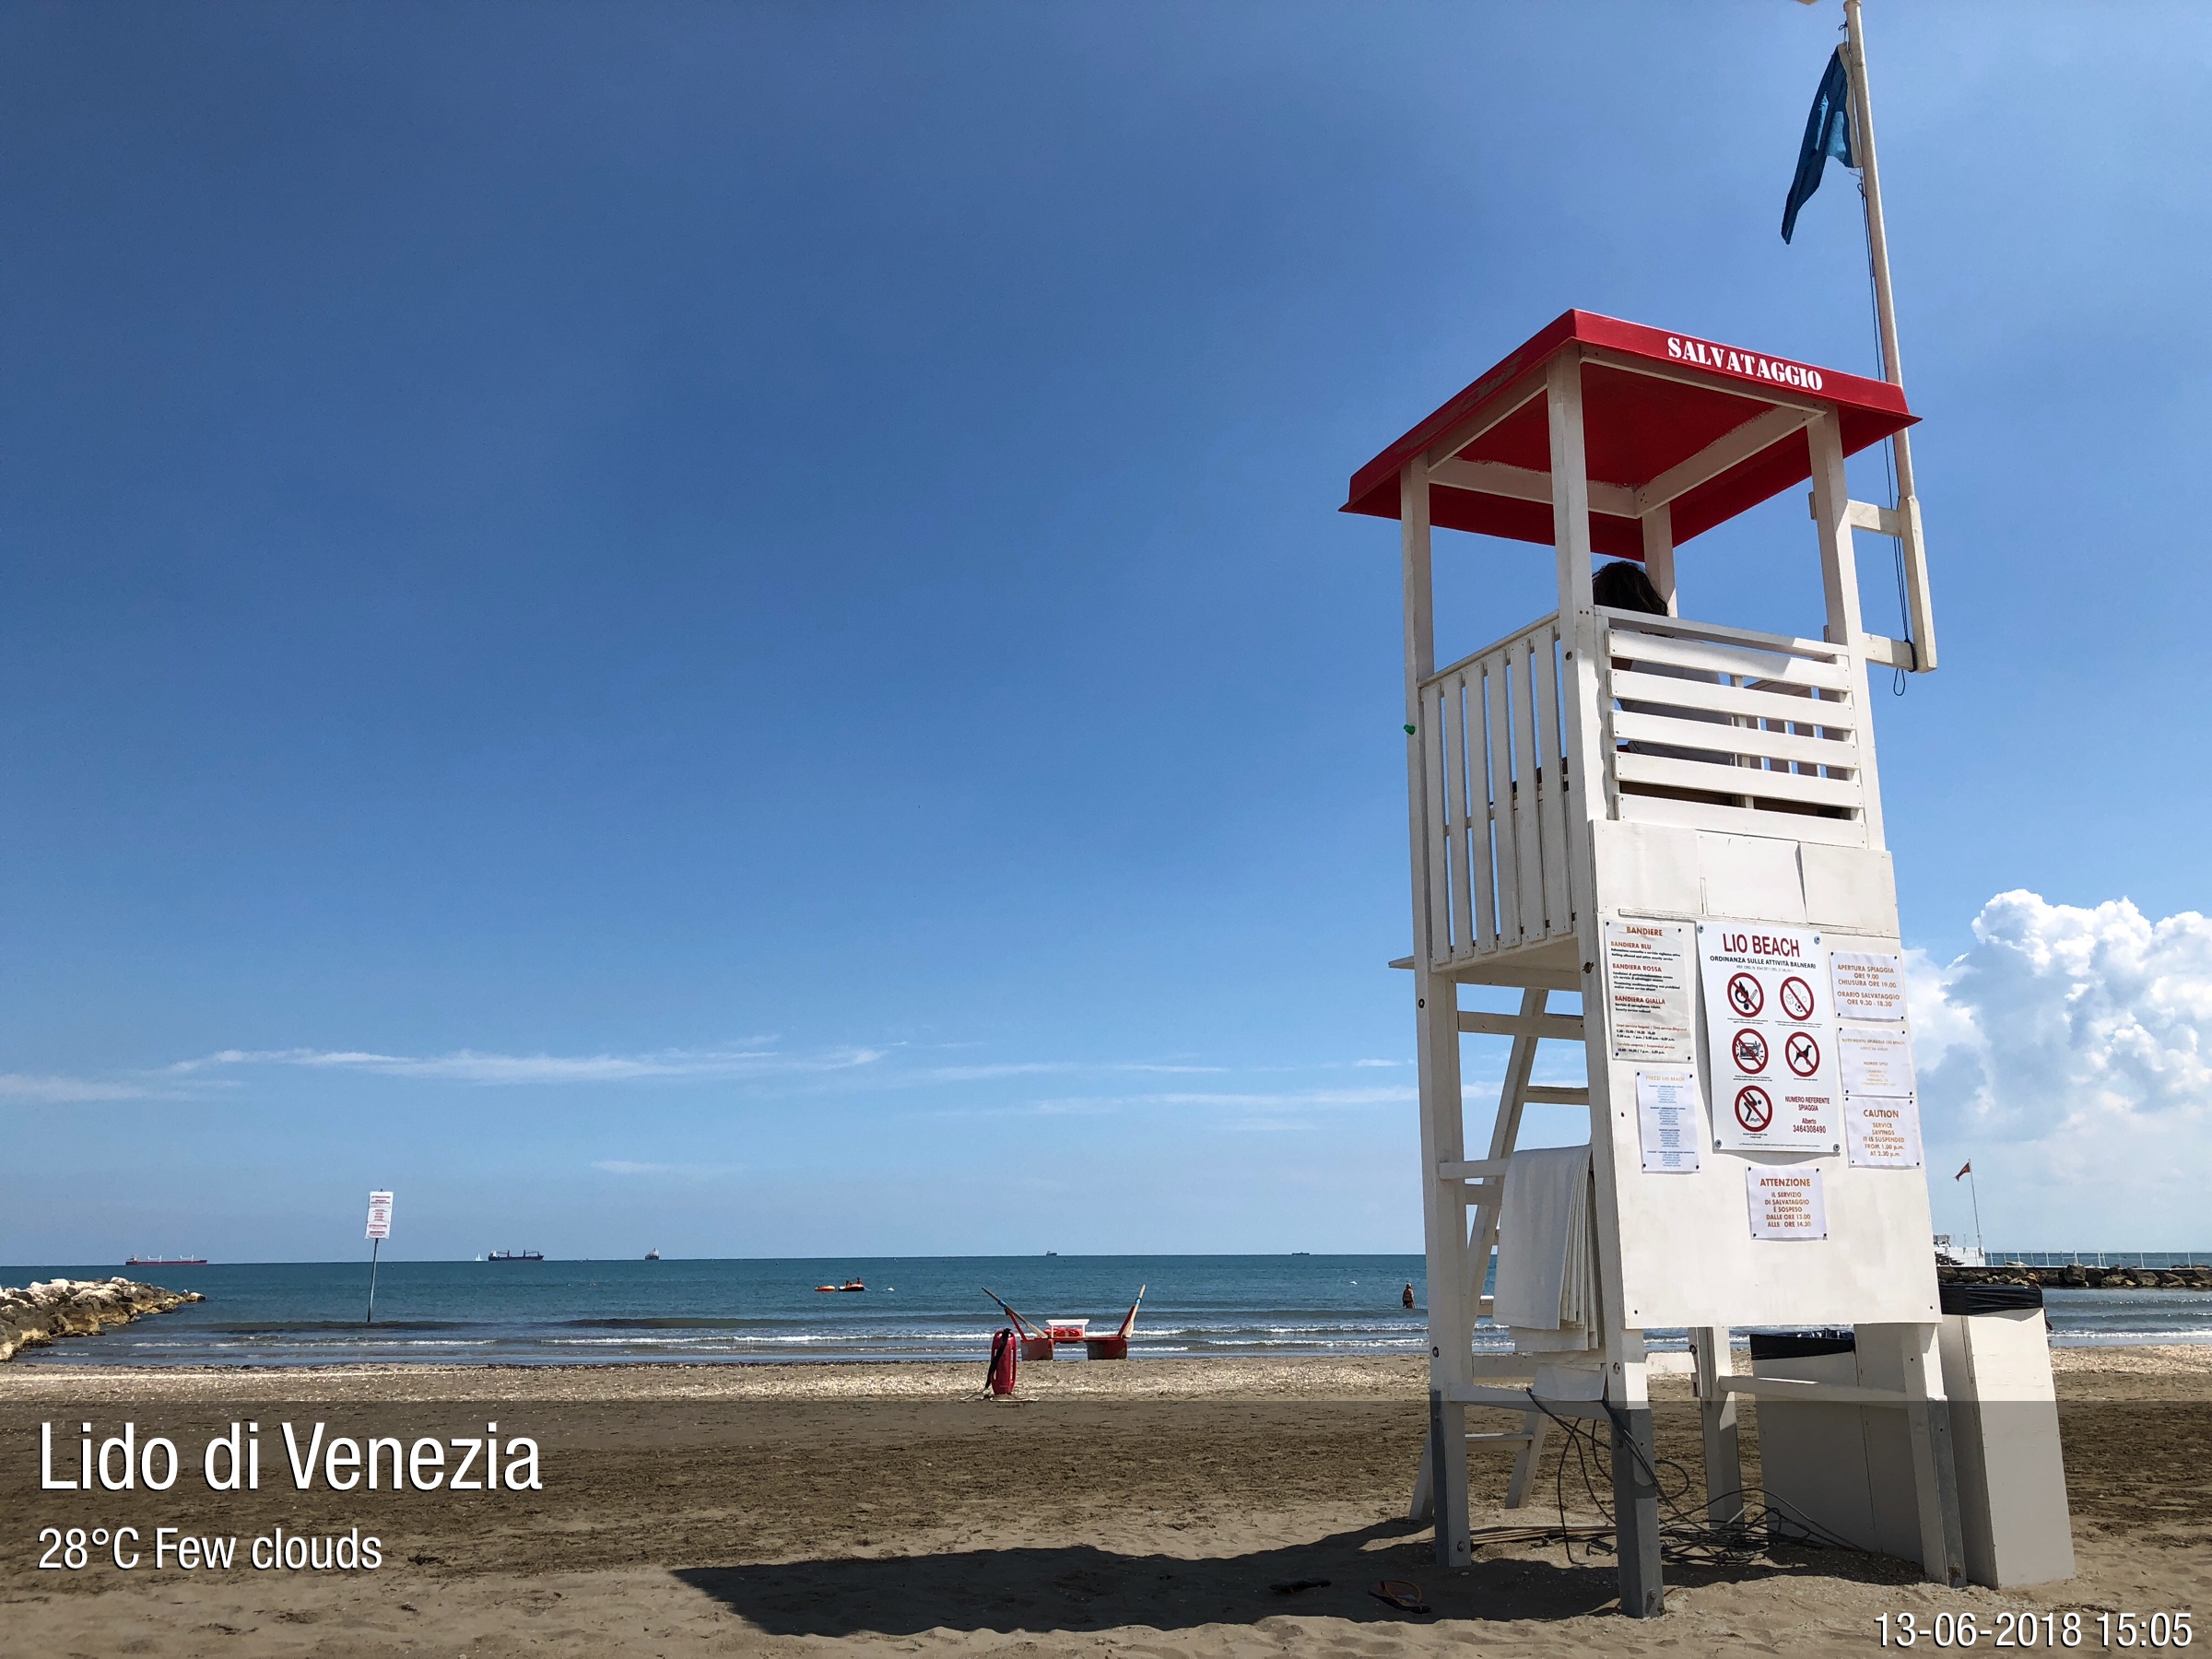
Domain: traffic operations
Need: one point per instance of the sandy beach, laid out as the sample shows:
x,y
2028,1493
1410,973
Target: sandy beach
x,y
1139,1509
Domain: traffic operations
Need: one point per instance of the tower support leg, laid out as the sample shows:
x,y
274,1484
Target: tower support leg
x,y
1424,1482
1448,1479
1636,1513
1527,1460
1928,1424
1716,1420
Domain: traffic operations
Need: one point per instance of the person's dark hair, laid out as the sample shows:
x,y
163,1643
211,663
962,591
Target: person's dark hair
x,y
1623,586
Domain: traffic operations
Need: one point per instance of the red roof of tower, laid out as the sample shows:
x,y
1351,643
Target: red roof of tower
x,y
1651,401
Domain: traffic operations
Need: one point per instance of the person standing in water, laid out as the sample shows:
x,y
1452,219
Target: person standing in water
x,y
1406,1299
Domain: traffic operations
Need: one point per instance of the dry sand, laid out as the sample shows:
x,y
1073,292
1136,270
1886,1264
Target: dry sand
x,y
1140,1509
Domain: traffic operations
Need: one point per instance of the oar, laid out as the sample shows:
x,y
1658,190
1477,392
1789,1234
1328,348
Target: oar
x,y
1021,1325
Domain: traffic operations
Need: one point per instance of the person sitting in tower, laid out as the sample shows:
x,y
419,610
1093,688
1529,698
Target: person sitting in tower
x,y
1623,586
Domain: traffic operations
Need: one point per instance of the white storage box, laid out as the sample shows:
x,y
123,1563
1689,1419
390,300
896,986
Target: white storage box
x,y
1836,1472
2012,1482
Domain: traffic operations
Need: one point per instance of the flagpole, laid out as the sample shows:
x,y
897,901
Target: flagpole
x,y
1919,608
1973,1187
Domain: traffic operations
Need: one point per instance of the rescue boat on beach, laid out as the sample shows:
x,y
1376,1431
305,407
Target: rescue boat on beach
x,y
1037,1342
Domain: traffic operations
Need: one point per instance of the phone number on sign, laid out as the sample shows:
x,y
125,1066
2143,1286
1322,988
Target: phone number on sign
x,y
2039,1630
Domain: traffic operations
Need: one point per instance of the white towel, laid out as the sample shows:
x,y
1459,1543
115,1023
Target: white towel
x,y
1547,1283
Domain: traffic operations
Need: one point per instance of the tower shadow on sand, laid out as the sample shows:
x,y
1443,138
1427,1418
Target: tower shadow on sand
x,y
1082,1588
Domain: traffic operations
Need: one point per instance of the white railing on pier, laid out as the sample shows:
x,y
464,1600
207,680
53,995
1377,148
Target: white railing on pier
x,y
1496,787
1721,728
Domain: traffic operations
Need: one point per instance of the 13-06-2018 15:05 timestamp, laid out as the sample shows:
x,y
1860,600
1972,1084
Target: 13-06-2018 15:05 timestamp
x,y
2030,1630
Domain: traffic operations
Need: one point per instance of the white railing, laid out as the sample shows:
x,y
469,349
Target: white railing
x,y
1496,788
1721,728
1710,727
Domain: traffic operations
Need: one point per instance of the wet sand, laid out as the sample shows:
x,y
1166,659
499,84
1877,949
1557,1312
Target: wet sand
x,y
1144,1508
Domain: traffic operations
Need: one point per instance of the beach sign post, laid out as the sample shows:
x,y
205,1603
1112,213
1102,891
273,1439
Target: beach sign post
x,y
380,1228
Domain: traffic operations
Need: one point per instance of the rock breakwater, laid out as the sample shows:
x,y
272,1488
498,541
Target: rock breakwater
x,y
39,1314
2073,1277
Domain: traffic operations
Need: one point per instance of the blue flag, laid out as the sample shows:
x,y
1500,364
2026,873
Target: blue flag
x,y
1826,133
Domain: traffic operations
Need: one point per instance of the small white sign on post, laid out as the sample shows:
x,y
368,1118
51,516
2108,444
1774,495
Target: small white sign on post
x,y
1786,1203
380,1228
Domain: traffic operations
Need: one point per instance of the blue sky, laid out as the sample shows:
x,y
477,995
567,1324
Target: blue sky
x,y
723,626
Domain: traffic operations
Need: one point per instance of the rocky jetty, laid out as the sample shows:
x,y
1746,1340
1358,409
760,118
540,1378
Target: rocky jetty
x,y
2073,1277
39,1314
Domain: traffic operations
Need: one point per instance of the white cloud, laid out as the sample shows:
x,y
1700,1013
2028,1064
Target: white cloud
x,y
622,1166
1277,1100
64,1091
1294,1097
1031,1068
2066,1053
470,1066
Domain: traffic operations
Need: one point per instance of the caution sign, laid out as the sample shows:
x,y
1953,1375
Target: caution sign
x,y
1771,1037
1882,1131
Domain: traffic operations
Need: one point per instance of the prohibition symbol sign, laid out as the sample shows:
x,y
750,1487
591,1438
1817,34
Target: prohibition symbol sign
x,y
1746,997
1754,1110
1801,1052
1749,1051
1796,998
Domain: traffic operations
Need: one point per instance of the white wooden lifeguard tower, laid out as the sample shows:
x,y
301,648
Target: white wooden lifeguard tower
x,y
1679,823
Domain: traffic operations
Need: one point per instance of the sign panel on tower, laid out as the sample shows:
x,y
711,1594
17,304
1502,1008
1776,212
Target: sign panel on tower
x,y
1771,1036
1650,992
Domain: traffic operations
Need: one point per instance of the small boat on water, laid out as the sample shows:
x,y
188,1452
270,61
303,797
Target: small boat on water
x,y
167,1262
847,1285
652,1256
516,1255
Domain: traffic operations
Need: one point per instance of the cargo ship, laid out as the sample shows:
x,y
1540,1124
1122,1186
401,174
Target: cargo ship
x,y
516,1255
167,1262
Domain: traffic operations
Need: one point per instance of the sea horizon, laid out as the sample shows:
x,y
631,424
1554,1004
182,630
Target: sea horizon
x,y
771,1309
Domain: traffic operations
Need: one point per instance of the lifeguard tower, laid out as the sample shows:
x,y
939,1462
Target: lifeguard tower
x,y
1678,822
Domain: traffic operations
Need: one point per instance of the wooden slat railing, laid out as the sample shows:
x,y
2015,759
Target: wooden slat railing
x,y
1710,727
1722,728
1497,786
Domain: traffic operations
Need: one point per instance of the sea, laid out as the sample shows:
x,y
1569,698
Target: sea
x,y
557,1313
